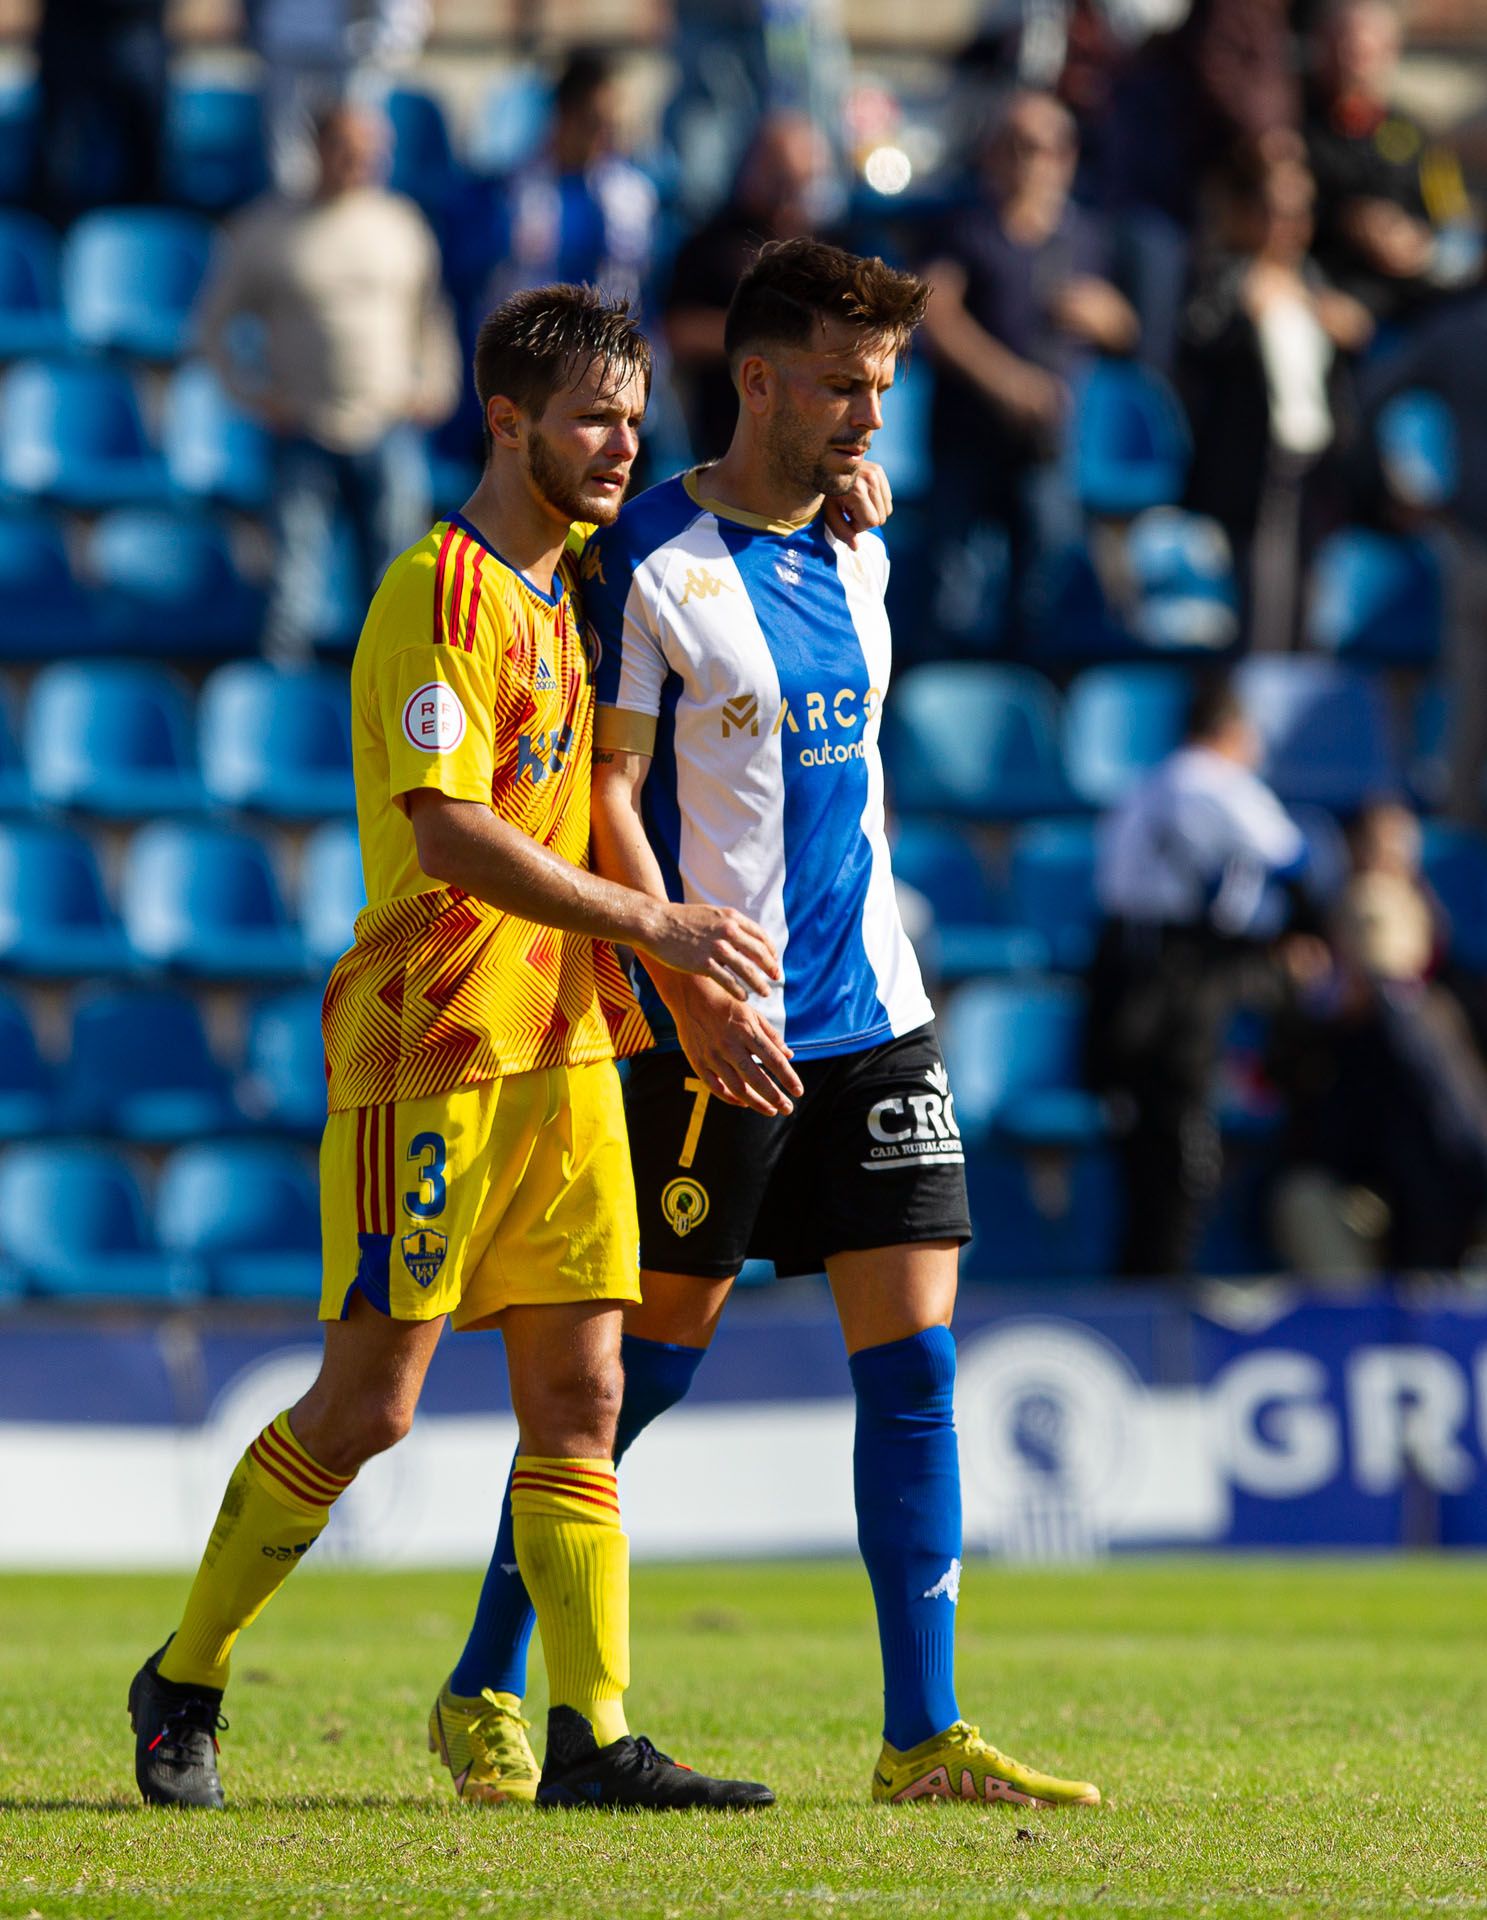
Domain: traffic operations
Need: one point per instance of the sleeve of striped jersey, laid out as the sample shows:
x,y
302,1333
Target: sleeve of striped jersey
x,y
631,667
436,705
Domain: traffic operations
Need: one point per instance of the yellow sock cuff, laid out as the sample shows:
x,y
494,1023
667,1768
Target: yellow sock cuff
x,y
287,1474
565,1490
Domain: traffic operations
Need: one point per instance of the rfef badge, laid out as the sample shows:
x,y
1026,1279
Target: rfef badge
x,y
685,1205
423,1254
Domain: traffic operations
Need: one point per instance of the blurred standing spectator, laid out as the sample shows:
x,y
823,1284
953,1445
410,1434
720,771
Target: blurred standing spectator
x,y
1185,875
354,353
579,211
101,65
318,54
1020,298
778,195
1446,354
1386,1144
1261,372
1390,204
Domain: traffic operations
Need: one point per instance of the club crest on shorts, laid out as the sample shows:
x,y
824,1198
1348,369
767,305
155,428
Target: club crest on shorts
x,y
685,1205
423,1254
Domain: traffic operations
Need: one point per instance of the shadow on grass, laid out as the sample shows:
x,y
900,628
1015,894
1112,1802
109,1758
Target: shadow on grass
x,y
242,1803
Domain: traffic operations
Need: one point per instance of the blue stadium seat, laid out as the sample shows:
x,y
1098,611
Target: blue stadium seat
x,y
31,317
74,1220
277,741
331,890
1182,570
214,452
1417,441
1130,440
130,277
1058,1219
283,1081
512,122
55,919
15,782
204,899
1119,722
215,155
71,432
1454,860
423,162
1429,744
1072,619
333,622
28,1092
972,931
111,738
1053,888
1013,1054
169,584
1325,730
1375,597
249,1213
46,610
976,740
20,128
141,1067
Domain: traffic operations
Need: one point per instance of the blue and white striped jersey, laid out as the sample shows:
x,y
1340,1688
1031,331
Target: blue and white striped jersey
x,y
750,659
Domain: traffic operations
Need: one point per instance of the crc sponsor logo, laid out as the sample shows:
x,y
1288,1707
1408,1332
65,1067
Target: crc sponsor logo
x,y
433,719
828,711
915,1127
540,754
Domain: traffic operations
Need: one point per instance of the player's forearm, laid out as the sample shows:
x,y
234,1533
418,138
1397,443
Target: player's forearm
x,y
463,845
619,846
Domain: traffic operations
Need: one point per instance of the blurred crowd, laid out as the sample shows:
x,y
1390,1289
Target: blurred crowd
x,y
1225,199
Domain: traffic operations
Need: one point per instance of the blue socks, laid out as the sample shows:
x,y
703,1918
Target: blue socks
x,y
657,1375
906,1472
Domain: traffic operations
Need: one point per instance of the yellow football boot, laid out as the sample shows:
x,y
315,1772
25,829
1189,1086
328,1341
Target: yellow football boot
x,y
483,1742
959,1765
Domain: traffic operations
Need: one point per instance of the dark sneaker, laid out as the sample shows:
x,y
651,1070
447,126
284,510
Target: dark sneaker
x,y
175,1739
577,1772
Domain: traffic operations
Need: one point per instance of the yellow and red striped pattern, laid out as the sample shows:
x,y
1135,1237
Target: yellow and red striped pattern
x,y
441,990
565,1489
292,1474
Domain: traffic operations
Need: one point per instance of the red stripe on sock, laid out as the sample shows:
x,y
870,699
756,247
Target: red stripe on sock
x,y
273,1452
288,1449
524,1483
267,1466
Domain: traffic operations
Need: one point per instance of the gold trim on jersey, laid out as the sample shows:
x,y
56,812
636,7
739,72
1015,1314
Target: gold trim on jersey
x,y
693,483
623,730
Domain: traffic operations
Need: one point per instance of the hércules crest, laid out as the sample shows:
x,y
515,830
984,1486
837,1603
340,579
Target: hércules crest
x,y
685,1205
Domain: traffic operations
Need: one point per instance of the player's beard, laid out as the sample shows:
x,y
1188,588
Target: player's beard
x,y
562,487
797,459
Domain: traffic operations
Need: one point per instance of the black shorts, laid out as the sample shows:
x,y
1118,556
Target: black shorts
x,y
871,1157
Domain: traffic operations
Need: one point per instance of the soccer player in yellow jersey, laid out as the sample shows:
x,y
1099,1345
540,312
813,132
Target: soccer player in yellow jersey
x,y
474,1165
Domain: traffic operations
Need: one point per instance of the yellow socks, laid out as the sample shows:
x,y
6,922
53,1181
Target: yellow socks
x,y
575,1560
276,1505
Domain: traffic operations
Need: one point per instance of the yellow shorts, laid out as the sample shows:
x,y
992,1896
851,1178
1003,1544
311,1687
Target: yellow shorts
x,y
517,1192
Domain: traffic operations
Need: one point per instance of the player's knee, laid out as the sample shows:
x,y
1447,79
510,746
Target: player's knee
x,y
906,1373
356,1430
581,1407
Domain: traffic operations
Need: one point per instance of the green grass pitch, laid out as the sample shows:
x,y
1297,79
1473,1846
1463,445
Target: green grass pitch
x,y
1272,1738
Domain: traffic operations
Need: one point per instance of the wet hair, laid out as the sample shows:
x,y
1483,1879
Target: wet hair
x,y
793,287
543,341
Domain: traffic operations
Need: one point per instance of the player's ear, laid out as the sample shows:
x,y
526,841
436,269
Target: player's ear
x,y
503,417
755,379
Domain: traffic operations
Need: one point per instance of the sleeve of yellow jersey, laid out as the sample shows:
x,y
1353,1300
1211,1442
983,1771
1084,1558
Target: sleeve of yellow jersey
x,y
435,698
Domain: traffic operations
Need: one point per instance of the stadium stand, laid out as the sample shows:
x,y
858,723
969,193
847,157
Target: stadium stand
x,y
214,156
213,453
331,891
71,432
140,1068
55,918
1119,721
976,741
28,1090
47,609
204,900
1053,889
130,277
283,1080
248,1213
75,1223
31,316
111,738
1130,440
168,584
970,932
1326,730
1013,1054
277,742
1377,598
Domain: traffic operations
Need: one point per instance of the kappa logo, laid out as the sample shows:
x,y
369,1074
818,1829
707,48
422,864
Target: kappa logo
x,y
685,1205
423,1254
947,1587
591,567
702,585
741,715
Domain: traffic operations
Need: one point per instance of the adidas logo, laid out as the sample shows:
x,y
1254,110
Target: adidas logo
x,y
545,681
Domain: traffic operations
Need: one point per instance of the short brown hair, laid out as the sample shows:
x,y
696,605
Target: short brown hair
x,y
545,339
793,286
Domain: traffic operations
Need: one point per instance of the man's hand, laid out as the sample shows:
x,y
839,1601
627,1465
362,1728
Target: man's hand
x,y
722,945
866,505
733,1049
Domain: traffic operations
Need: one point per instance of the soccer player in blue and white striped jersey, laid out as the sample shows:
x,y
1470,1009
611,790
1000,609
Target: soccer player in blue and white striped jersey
x,y
743,660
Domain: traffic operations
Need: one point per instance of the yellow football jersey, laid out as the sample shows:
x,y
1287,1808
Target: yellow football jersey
x,y
469,680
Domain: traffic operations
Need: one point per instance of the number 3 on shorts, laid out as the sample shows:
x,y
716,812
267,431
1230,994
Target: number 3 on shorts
x,y
428,1150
